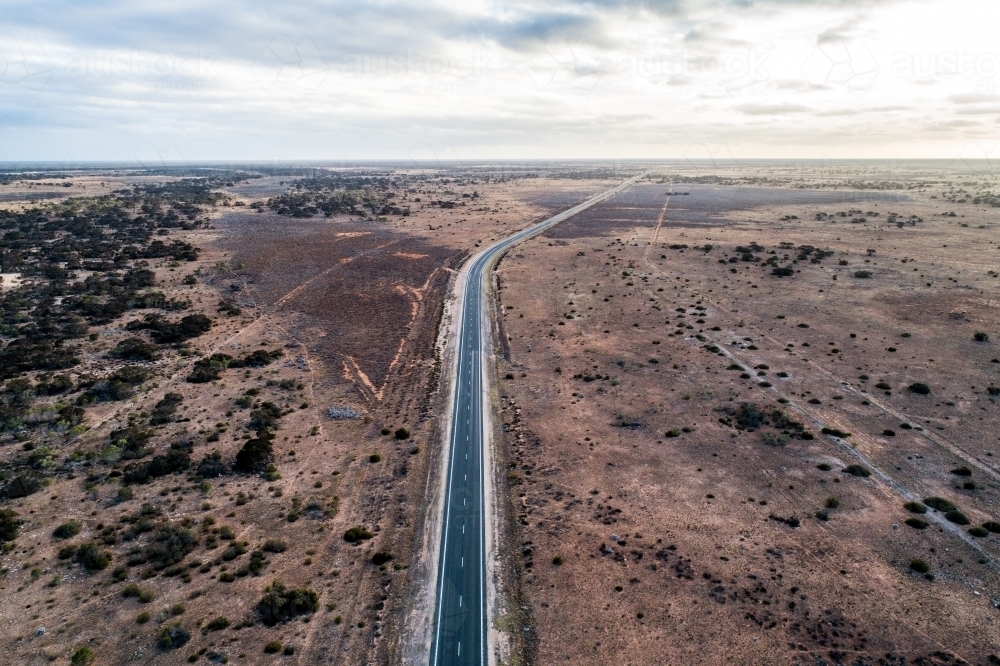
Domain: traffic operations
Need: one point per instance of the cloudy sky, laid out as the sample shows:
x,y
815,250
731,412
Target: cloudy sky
x,y
228,80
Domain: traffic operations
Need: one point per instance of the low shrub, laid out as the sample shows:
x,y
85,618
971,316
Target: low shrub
x,y
915,507
281,604
957,517
218,624
919,388
823,467
992,526
67,530
980,336
402,433
961,471
832,502
92,558
857,470
834,432
275,546
381,557
919,565
940,503
356,534
916,523
173,636
83,656
979,532
273,647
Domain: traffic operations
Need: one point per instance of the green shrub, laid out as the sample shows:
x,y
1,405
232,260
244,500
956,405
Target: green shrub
x,y
557,560
823,467
980,336
919,566
857,470
218,624
9,525
832,502
67,552
962,471
173,636
919,388
673,432
93,558
275,546
374,458
281,604
356,534
939,503
83,656
915,507
979,532
916,523
402,433
381,557
273,647
67,530
992,526
957,517
823,514
142,618
834,432
863,275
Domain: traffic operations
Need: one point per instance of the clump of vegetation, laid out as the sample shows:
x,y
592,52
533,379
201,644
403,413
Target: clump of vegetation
x,y
381,557
915,507
176,459
274,546
957,517
940,503
217,624
67,530
863,275
961,471
979,532
356,534
824,467
919,566
402,433
919,388
835,432
281,604
791,521
858,470
980,336
272,647
992,526
173,636
92,558
916,523
165,409
82,656
256,453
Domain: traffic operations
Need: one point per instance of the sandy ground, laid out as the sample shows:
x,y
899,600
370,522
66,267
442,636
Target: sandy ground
x,y
652,529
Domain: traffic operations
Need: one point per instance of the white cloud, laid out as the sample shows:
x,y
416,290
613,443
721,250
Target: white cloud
x,y
599,78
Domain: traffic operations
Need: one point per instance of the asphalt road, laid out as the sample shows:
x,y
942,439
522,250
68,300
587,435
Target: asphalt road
x,y
460,629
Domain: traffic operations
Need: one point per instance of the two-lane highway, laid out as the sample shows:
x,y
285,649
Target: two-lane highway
x,y
460,627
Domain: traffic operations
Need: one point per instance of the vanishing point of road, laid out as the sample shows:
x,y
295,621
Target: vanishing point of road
x,y
460,626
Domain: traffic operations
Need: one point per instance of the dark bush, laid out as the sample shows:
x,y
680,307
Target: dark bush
x,y
275,546
862,274
939,503
266,416
992,526
281,604
9,525
218,624
67,530
381,557
173,637
823,467
888,433
374,458
272,647
919,388
211,466
402,433
835,432
979,532
257,562
257,359
957,517
83,656
962,471
256,454
979,336
135,349
915,507
857,470
171,544
165,409
356,534
919,565
791,521
92,558
176,459
832,503
916,523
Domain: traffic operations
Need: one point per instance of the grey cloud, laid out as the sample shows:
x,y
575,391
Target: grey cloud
x,y
771,109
